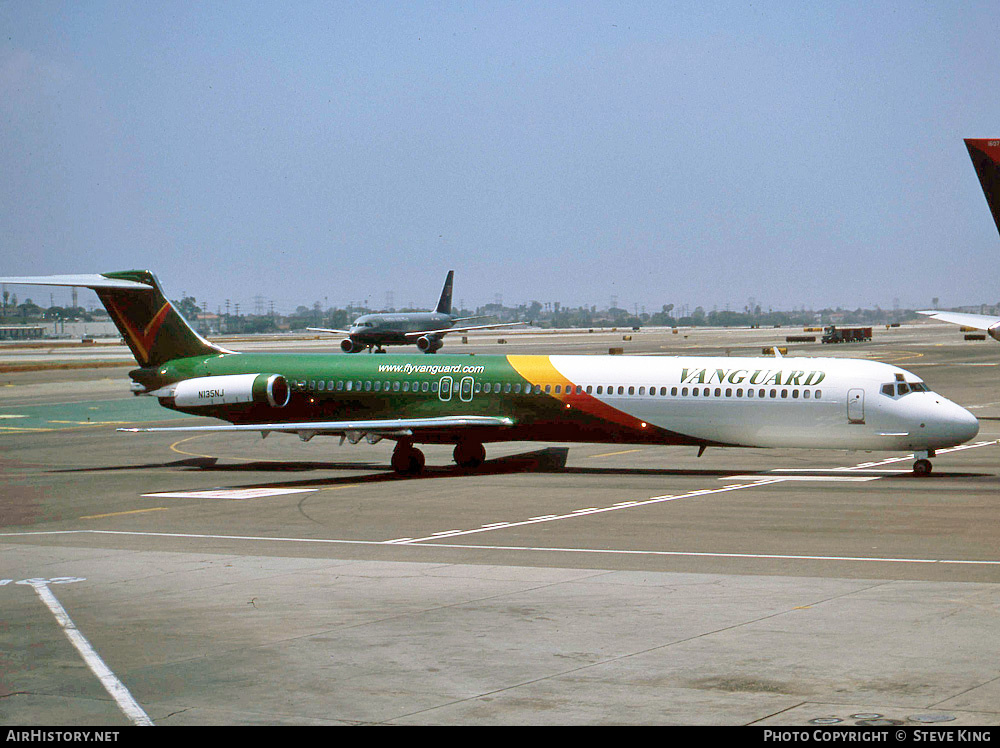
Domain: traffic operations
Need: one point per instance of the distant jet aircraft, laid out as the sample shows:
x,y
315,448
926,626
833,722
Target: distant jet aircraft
x,y
425,329
985,155
469,401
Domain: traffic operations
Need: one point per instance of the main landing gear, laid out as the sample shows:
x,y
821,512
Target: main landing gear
x,y
923,466
469,454
408,460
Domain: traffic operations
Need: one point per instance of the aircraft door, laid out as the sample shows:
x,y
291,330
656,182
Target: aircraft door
x,y
856,406
444,391
465,389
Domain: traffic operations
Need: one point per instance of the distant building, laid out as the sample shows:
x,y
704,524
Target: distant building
x,y
22,332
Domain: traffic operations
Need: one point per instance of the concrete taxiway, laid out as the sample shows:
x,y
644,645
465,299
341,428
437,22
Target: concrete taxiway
x,y
221,579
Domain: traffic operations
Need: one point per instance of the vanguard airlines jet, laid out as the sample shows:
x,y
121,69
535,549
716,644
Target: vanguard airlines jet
x,y
472,400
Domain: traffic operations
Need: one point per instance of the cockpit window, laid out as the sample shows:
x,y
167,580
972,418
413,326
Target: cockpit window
x,y
899,389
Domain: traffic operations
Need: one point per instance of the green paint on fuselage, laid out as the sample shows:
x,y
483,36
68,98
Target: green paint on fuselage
x,y
408,386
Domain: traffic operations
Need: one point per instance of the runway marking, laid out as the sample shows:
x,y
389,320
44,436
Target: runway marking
x,y
111,684
575,514
757,480
234,494
119,514
547,549
816,478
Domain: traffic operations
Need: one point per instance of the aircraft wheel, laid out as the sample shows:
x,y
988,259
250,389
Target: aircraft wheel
x,y
922,467
469,454
407,460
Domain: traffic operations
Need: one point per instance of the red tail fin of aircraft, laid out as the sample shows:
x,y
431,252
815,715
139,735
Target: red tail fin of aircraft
x,y
985,155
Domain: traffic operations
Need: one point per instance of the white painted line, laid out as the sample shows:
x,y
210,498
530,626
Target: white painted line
x,y
816,478
111,684
608,551
235,494
595,510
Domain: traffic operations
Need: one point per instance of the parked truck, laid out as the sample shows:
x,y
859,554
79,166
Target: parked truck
x,y
834,334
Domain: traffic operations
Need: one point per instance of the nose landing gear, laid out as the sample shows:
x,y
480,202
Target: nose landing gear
x,y
922,466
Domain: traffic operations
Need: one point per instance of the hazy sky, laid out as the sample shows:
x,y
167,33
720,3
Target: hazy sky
x,y
663,152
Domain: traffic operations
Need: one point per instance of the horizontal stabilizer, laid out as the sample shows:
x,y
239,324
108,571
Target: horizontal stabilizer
x,y
85,280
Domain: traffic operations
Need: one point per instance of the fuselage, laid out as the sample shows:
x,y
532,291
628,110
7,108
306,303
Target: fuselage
x,y
722,401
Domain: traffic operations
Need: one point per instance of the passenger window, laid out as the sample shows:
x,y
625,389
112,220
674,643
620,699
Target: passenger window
x,y
600,390
425,386
694,391
795,394
729,392
378,386
590,389
506,388
538,389
819,394
805,395
340,385
718,392
784,394
621,390
642,390
631,390
434,386
774,393
673,391
684,392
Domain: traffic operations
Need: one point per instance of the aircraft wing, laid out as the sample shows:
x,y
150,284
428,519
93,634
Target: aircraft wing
x,y
447,330
354,430
327,329
978,321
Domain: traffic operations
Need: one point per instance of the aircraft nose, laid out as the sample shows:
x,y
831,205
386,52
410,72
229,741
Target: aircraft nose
x,y
952,423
